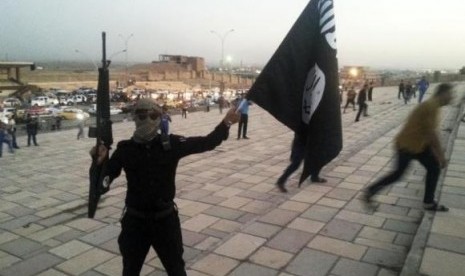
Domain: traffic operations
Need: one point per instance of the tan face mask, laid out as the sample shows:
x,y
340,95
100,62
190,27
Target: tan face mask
x,y
146,129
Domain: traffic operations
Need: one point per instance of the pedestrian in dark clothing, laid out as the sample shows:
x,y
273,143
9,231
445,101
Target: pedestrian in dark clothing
x,y
243,109
5,138
165,121
58,122
419,140
370,91
184,110
149,161
361,101
351,94
32,126
12,130
221,103
297,156
401,89
407,92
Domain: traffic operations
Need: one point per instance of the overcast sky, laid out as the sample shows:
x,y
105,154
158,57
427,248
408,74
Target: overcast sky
x,y
422,34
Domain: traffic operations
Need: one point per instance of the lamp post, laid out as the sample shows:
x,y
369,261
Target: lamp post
x,y
222,39
126,40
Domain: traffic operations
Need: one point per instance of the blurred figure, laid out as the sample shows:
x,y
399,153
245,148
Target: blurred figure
x,y
419,140
361,101
32,125
401,89
351,94
5,138
408,92
165,121
422,85
12,130
243,109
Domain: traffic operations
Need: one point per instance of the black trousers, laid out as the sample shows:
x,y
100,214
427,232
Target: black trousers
x,y
362,107
243,126
352,101
31,136
164,235
426,158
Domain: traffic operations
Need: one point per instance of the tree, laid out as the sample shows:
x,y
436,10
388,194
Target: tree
x,y
436,76
462,71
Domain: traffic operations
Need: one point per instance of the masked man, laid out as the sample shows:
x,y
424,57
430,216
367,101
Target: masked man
x,y
150,161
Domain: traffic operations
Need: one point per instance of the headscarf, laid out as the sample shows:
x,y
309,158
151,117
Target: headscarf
x,y
147,128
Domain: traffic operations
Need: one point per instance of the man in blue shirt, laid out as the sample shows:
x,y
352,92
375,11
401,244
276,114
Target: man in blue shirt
x,y
243,109
422,85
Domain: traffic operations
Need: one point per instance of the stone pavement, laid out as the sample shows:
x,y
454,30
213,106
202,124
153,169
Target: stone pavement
x,y
234,220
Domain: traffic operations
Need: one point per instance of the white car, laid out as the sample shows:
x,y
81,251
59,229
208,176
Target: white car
x,y
43,101
113,110
11,102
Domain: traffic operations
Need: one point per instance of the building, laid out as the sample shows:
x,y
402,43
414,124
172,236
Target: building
x,y
358,75
196,64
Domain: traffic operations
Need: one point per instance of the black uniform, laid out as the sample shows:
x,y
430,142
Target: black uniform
x,y
151,217
362,106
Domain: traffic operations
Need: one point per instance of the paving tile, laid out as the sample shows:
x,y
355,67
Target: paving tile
x,y
226,225
320,213
330,202
7,260
307,196
338,247
385,258
70,249
22,247
361,218
261,229
214,264
269,257
401,226
447,243
235,202
346,267
199,222
279,217
86,261
102,235
341,229
246,269
290,240
377,234
306,225
439,262
223,212
31,266
381,245
240,246
207,243
311,263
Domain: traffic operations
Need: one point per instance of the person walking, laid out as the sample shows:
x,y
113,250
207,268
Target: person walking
x,y
408,92
401,89
361,101
32,126
80,129
165,121
12,130
351,94
370,91
422,85
419,140
296,158
184,110
243,109
5,138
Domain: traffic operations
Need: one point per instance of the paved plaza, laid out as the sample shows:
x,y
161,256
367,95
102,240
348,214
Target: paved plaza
x,y
234,219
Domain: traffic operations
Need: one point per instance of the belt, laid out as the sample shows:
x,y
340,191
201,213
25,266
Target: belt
x,y
150,215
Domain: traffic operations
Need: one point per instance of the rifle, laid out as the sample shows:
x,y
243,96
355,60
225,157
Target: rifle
x,y
102,132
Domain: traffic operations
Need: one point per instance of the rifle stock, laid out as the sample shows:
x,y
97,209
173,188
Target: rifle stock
x,y
102,132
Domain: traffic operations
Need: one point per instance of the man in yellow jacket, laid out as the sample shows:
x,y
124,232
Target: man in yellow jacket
x,y
419,140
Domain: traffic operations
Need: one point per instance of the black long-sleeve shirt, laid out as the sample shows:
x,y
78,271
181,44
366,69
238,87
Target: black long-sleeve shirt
x,y
151,170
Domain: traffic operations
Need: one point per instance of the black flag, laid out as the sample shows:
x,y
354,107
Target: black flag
x,y
299,85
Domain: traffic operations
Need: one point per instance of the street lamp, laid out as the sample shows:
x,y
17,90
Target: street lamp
x,y
126,40
222,39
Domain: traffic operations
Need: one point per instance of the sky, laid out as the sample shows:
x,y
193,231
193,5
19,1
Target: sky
x,y
397,34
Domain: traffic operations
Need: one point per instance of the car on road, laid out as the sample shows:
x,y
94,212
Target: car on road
x,y
73,114
11,102
113,110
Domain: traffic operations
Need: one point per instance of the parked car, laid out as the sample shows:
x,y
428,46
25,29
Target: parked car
x,y
113,110
43,101
73,114
5,114
11,102
36,111
76,99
